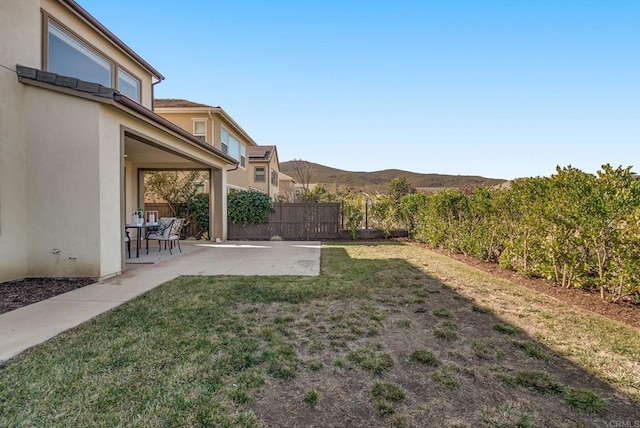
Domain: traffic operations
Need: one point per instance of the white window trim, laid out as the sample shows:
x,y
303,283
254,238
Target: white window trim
x,y
233,187
194,120
240,144
126,74
264,172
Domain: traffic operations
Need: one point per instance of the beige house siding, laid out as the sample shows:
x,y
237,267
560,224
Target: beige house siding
x,y
70,159
24,48
267,186
286,190
240,178
63,242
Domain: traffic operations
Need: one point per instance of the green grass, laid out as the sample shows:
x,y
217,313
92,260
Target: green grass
x,y
506,328
245,351
312,397
447,331
442,313
486,351
315,366
532,349
445,378
371,358
425,357
507,415
538,380
386,395
584,399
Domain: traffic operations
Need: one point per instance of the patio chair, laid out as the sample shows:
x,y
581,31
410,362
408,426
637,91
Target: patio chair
x,y
127,240
168,231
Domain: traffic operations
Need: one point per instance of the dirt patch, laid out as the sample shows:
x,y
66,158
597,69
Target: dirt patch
x,y
23,292
625,312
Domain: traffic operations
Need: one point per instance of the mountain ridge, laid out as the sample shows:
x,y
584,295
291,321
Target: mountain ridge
x,y
377,181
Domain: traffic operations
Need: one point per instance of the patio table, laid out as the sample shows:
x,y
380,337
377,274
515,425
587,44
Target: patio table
x,y
139,228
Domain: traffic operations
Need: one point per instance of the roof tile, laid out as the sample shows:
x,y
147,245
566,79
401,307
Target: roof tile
x,y
177,102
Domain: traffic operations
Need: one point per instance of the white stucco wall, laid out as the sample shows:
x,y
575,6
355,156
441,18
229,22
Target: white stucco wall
x,y
19,24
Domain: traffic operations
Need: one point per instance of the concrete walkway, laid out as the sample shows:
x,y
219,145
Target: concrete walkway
x,y
26,327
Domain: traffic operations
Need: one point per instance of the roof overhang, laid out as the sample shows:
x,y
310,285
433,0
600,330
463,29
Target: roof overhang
x,y
208,110
98,93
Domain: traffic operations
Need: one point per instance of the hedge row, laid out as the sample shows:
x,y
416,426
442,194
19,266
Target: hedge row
x,y
578,229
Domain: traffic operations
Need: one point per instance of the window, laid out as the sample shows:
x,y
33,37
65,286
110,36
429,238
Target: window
x,y
68,56
233,147
274,177
128,85
200,130
259,174
225,140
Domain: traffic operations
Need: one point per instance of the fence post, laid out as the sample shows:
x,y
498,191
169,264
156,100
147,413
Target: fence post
x,y
366,213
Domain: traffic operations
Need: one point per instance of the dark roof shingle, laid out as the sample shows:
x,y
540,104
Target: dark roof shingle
x,y
177,102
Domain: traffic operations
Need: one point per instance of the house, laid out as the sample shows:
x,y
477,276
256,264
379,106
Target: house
x,y
264,169
77,132
286,187
214,126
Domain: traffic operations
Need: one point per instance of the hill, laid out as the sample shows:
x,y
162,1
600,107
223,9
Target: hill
x,y
377,181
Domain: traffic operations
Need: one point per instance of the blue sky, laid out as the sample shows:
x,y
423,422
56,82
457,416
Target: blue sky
x,y
498,88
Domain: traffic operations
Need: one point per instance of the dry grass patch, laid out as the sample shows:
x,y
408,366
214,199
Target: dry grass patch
x,y
383,321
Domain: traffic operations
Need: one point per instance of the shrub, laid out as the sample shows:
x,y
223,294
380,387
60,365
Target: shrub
x,y
248,207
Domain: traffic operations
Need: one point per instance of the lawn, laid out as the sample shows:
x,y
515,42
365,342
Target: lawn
x,y
390,334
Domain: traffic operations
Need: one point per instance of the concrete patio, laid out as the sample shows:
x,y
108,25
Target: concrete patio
x,y
34,324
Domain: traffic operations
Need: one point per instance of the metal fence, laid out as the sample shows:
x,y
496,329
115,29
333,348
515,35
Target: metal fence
x,y
293,221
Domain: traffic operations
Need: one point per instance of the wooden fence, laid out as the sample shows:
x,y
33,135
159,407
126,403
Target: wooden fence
x,y
191,229
292,221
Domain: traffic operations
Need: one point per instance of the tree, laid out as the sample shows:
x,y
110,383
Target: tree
x,y
181,191
302,171
399,187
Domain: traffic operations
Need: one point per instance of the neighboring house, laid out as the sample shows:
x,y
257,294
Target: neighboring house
x,y
286,187
264,170
77,131
215,127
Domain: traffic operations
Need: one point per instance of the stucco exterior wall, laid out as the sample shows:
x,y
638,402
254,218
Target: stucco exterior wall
x,y
63,182
240,178
185,121
23,49
110,187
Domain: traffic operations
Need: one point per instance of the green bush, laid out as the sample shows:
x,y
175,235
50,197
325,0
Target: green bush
x,y
577,229
249,207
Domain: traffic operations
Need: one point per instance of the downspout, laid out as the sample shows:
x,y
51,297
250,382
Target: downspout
x,y
153,94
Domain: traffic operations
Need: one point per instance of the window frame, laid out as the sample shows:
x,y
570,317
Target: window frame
x,y
48,19
255,174
200,136
225,147
119,69
274,177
